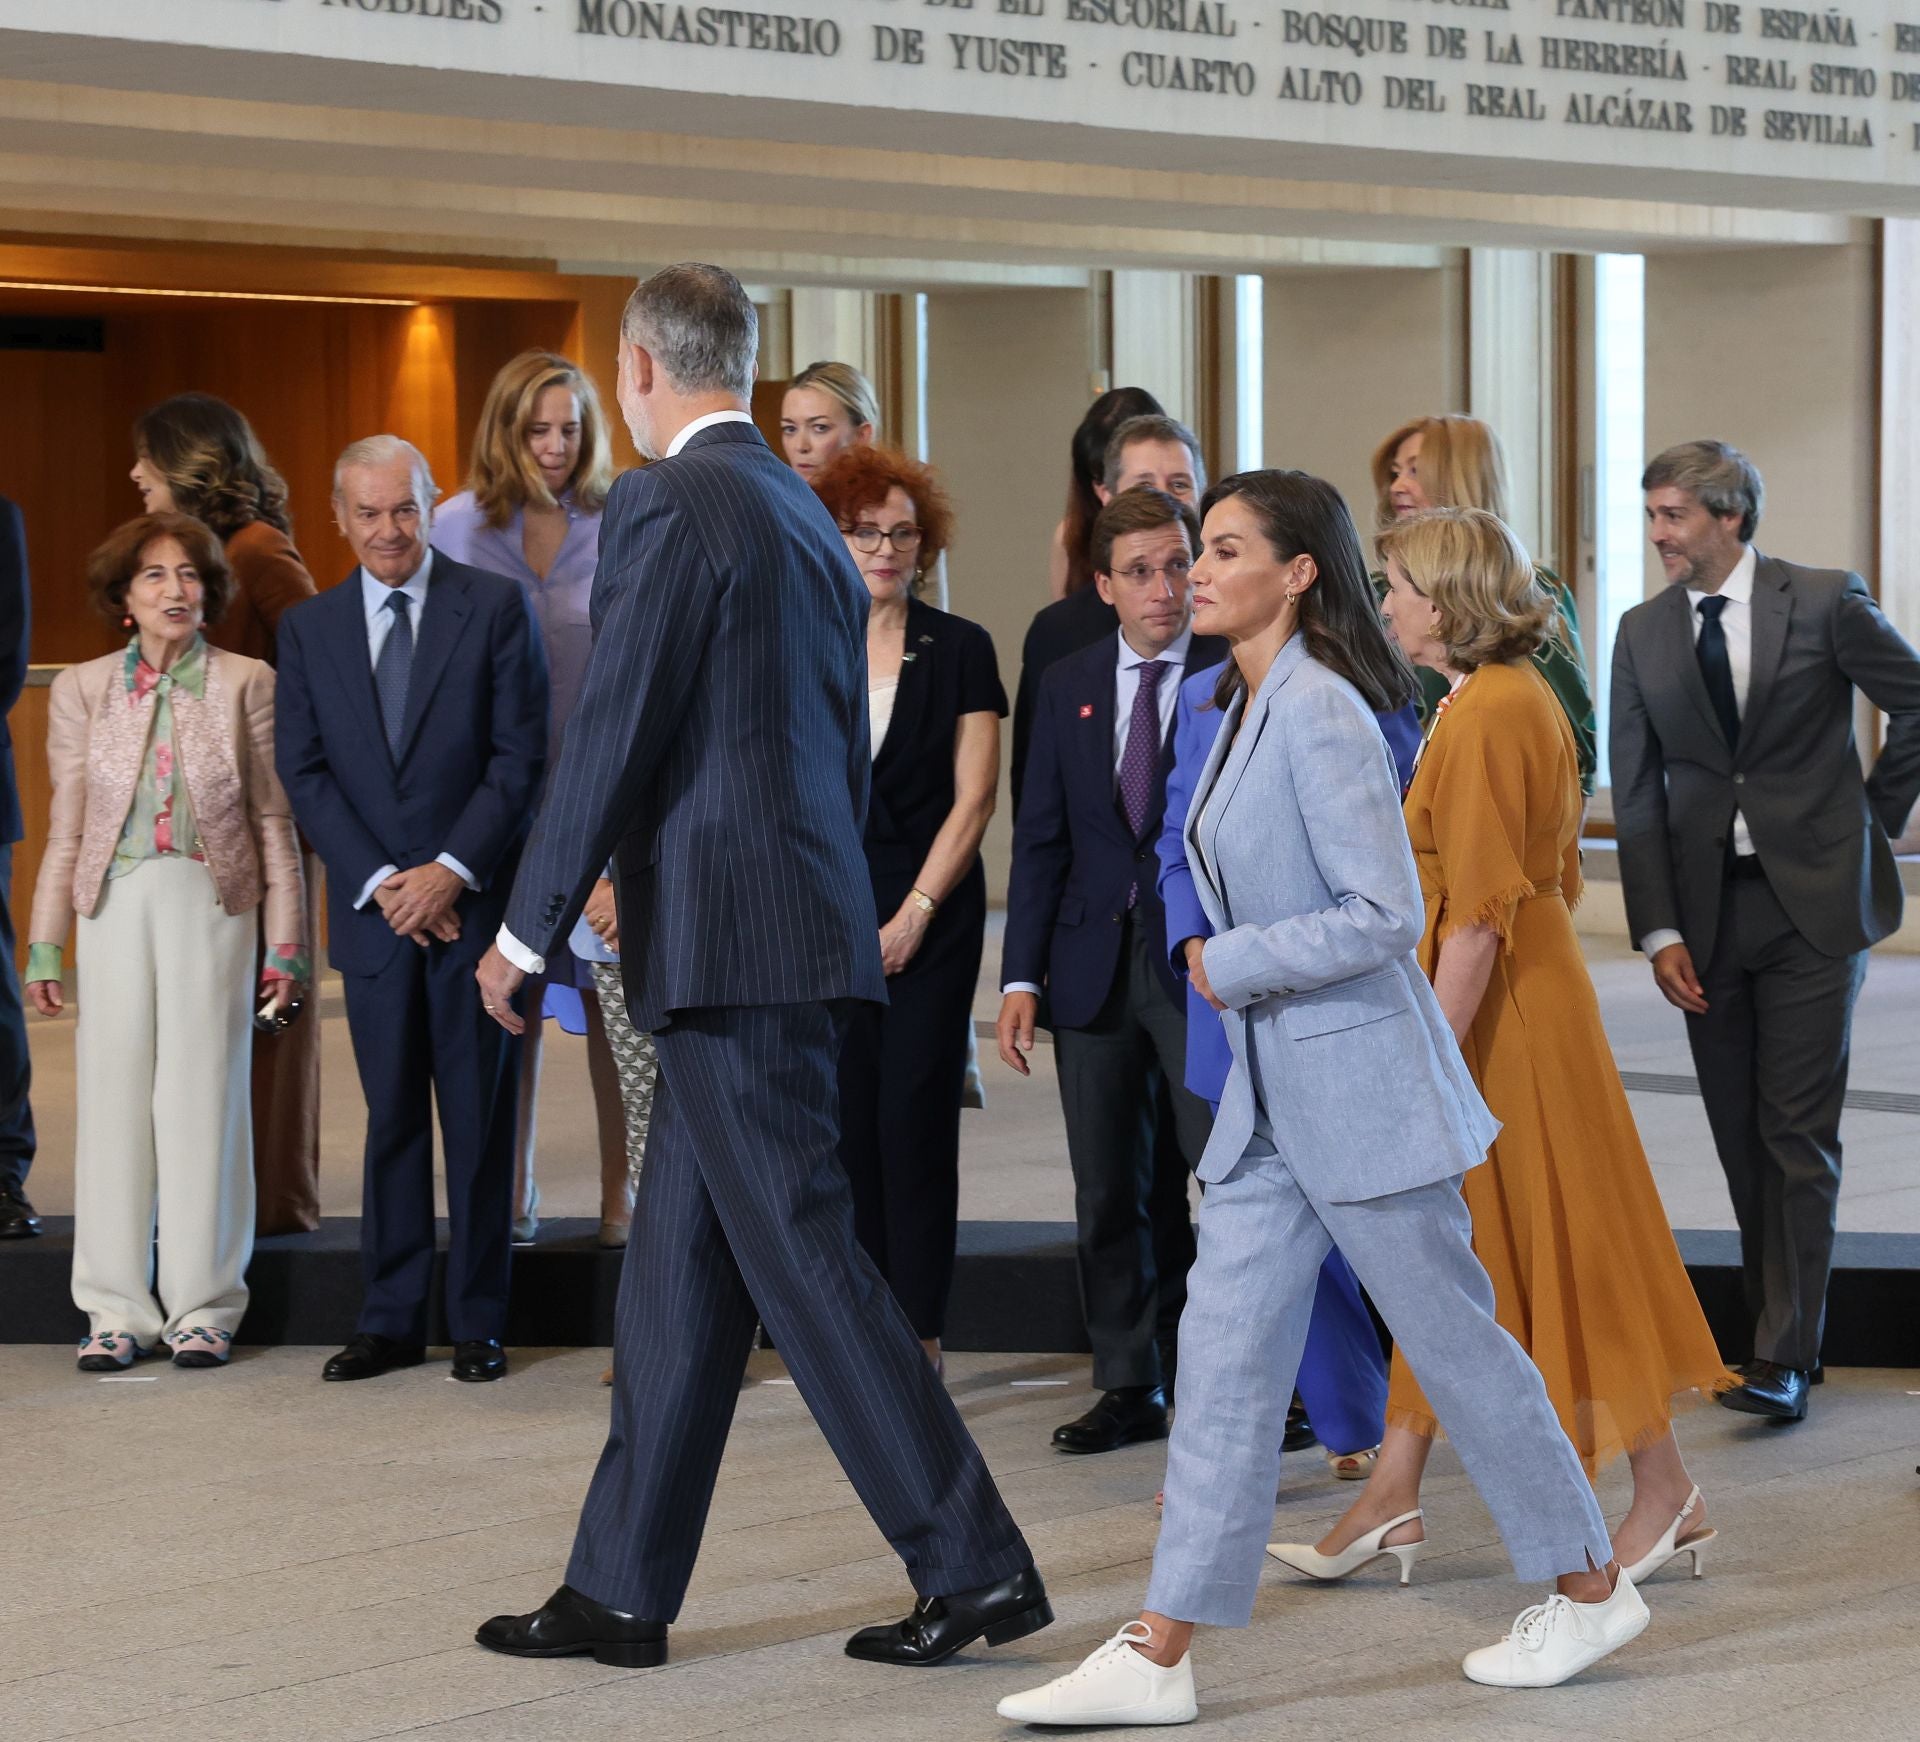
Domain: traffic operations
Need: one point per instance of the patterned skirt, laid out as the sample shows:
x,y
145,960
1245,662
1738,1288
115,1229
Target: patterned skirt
x,y
635,1059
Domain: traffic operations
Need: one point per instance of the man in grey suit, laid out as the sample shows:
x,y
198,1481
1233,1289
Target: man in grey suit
x,y
1756,865
719,754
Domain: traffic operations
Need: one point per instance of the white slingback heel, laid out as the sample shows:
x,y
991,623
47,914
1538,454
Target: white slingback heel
x,y
1371,1547
1674,1544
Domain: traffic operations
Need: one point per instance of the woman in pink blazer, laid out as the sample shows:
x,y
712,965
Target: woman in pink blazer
x,y
169,829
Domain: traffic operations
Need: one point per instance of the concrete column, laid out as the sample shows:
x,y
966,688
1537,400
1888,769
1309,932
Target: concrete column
x,y
1510,383
1154,337
1898,566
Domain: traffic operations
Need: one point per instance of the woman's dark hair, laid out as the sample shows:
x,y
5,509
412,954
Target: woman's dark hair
x,y
213,463
1105,415
1340,613
112,566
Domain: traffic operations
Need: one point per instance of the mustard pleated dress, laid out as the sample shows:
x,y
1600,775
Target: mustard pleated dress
x,y
1566,1217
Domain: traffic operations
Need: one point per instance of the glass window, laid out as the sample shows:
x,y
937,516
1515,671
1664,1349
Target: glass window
x,y
1620,391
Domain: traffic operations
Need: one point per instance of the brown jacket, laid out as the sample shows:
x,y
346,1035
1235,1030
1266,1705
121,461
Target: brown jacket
x,y
269,579
96,741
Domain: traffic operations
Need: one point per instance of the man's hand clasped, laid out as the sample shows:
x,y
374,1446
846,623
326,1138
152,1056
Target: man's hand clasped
x,y
418,904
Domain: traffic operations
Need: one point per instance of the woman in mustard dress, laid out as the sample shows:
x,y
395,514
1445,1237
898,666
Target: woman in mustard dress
x,y
1566,1217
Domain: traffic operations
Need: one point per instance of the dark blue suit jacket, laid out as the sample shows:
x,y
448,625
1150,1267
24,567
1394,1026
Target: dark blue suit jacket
x,y
719,749
469,763
1074,857
1195,725
16,601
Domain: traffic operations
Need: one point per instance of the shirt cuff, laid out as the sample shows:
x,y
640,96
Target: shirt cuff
x,y
373,883
1656,941
518,954
1020,986
459,870
43,962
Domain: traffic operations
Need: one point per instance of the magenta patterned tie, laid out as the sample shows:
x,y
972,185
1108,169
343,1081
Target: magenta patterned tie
x,y
1142,754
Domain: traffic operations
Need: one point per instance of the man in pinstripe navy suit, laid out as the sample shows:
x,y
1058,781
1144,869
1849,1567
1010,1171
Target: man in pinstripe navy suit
x,y
719,754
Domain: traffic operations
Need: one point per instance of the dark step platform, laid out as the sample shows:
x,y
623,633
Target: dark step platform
x,y
1014,1290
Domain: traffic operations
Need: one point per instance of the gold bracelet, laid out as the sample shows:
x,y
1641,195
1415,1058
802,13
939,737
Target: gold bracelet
x,y
925,902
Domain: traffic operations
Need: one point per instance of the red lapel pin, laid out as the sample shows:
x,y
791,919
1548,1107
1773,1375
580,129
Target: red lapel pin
x,y
1086,710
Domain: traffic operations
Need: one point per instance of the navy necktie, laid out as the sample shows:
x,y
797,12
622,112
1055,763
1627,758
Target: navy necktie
x,y
1716,668
392,668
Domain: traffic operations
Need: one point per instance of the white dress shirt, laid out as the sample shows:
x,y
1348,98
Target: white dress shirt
x,y
1736,622
1126,686
508,945
374,595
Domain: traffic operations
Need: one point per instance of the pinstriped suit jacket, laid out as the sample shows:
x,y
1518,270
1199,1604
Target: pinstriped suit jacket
x,y
719,750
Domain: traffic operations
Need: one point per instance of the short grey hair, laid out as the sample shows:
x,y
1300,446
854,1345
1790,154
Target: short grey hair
x,y
385,450
1718,475
698,325
1150,427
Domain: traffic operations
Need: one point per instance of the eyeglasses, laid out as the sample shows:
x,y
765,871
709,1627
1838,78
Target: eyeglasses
x,y
871,538
1175,573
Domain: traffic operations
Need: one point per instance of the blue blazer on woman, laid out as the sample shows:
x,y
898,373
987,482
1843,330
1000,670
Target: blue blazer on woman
x,y
1196,723
1297,813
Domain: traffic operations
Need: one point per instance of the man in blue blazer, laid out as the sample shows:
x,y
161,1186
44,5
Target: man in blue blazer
x,y
410,734
17,1219
719,755
1085,925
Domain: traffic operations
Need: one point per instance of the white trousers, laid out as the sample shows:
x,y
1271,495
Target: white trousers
x,y
162,1056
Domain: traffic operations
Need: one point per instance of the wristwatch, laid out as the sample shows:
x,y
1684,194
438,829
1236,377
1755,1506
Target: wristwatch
x,y
925,902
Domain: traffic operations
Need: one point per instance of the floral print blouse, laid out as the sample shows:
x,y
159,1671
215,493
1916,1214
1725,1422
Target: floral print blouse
x,y
160,821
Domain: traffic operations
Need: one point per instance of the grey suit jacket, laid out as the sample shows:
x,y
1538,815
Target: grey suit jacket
x,y
1821,830
1305,873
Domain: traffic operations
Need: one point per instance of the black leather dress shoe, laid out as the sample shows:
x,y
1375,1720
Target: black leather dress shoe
x,y
17,1218
479,1359
1775,1392
1139,1412
368,1355
1299,1434
1817,1377
572,1624
940,1626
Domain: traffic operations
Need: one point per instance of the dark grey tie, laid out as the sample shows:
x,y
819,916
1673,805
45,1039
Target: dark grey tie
x,y
1716,668
392,668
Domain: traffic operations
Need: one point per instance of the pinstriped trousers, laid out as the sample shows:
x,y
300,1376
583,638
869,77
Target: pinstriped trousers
x,y
743,1204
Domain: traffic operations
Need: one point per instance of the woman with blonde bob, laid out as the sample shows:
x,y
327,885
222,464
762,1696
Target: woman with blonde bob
x,y
542,466
1566,1218
1458,462
827,408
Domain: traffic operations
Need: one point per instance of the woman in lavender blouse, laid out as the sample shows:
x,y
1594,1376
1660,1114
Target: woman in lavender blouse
x,y
542,466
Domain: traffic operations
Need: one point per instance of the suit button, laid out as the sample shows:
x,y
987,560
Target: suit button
x,y
1739,780
1115,918
1140,855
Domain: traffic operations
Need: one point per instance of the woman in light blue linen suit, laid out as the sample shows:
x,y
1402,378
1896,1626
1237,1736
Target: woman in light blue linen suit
x,y
1340,1051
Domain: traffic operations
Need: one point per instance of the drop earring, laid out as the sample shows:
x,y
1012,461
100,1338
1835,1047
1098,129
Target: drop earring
x,y
126,622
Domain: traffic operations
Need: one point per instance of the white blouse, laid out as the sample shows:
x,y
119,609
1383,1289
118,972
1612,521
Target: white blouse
x,y
880,700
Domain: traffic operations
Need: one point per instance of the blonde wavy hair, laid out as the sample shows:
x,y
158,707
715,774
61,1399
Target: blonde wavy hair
x,y
502,475
1462,465
1494,608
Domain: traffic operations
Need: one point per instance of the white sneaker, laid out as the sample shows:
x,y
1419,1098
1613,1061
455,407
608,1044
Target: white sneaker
x,y
1116,1685
1555,1640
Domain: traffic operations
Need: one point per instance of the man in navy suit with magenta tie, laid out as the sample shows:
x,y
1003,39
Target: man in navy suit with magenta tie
x,y
410,733
719,756
1085,924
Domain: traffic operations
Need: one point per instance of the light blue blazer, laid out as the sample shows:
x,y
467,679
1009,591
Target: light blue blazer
x,y
1303,868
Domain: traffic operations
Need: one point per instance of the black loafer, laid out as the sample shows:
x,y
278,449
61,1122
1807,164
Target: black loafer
x,y
17,1218
940,1626
1138,1412
1299,1434
572,1624
479,1359
1777,1393
368,1355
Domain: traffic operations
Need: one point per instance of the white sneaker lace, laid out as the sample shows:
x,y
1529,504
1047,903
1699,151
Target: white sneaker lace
x,y
1531,1627
1134,1633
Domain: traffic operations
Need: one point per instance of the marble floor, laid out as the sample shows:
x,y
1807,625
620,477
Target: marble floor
x,y
242,1556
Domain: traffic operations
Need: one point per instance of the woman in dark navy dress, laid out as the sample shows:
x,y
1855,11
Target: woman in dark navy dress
x,y
935,703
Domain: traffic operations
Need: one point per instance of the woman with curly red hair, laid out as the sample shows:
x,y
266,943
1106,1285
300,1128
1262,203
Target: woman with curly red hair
x,y
934,704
